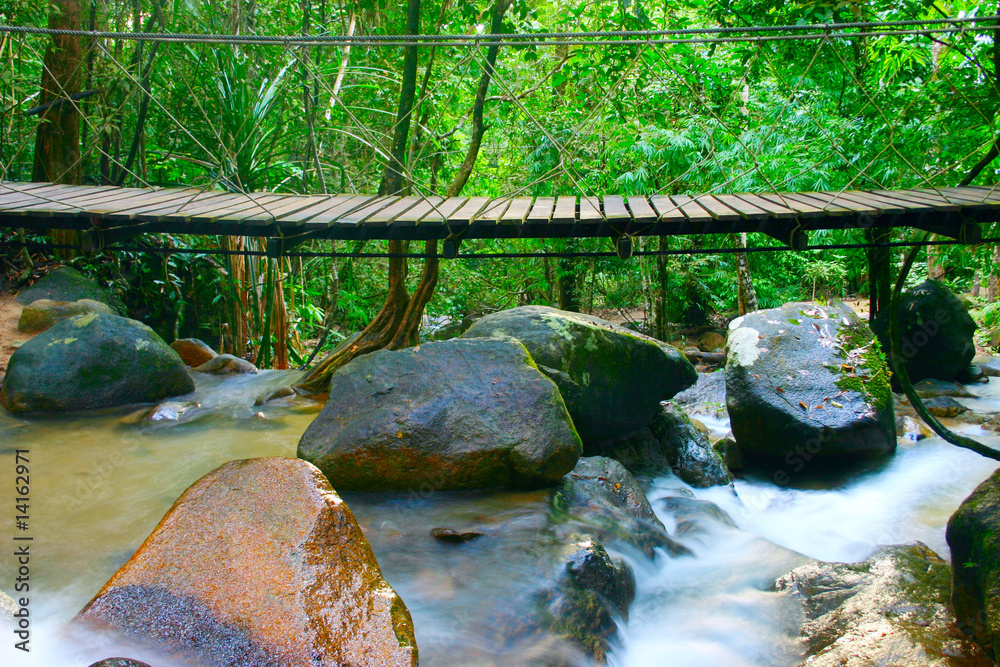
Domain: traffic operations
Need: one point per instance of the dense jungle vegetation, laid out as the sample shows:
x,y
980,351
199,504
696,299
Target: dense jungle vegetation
x,y
813,114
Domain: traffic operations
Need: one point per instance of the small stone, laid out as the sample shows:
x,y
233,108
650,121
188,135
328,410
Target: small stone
x,y
119,662
944,406
451,536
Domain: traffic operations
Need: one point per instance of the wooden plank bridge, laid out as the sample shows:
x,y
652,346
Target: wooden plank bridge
x,y
112,214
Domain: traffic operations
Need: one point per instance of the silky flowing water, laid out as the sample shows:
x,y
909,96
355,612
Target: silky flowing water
x,y
100,484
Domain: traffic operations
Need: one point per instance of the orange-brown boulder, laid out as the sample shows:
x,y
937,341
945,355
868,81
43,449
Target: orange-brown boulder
x,y
258,563
193,351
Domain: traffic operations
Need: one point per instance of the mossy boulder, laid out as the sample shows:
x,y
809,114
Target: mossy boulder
x,y
43,313
456,414
258,563
67,284
935,332
611,378
687,448
193,352
891,609
89,362
974,539
600,497
806,384
591,591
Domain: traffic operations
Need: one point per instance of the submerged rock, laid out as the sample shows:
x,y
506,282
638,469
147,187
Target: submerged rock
x,y
931,388
258,563
119,662
611,378
169,411
591,591
452,536
687,448
602,495
807,383
974,539
193,352
944,406
226,364
67,284
43,313
455,414
891,609
908,427
935,333
89,362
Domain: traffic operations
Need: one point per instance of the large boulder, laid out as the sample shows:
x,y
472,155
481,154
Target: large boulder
x,y
456,414
611,378
258,563
89,362
67,284
600,497
806,384
43,313
706,397
226,364
974,539
935,332
891,609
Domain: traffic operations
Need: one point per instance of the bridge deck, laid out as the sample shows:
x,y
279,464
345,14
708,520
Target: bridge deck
x,y
112,213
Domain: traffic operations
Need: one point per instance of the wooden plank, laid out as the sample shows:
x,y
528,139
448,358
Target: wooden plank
x,y
321,204
330,214
615,210
517,211
412,215
747,210
201,204
936,203
589,211
666,209
469,210
717,209
49,194
390,213
989,194
357,216
565,211
691,210
882,206
117,196
39,204
834,204
642,212
775,210
541,212
494,210
964,196
805,210
444,211
135,208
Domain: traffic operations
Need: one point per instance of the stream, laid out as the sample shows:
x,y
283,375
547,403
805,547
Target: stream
x,y
100,484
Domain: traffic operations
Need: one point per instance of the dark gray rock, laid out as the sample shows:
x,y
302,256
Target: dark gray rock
x,y
89,362
732,455
806,384
456,414
612,379
43,313
944,406
990,366
591,591
705,397
935,333
601,496
974,539
67,284
687,449
891,609
226,364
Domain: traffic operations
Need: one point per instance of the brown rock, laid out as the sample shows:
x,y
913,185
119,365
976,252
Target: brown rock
x,y
258,563
911,428
226,364
193,351
711,341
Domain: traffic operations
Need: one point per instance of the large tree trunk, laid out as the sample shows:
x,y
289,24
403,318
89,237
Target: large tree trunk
x,y
398,322
991,291
879,269
57,140
746,296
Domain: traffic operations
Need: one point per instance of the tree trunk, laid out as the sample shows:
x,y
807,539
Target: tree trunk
x,y
567,269
991,292
879,260
976,279
660,300
745,293
935,262
57,140
397,323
